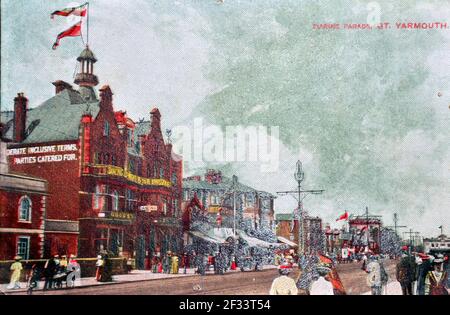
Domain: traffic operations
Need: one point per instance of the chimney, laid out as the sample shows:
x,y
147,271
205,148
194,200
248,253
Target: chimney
x,y
106,98
20,117
155,120
61,86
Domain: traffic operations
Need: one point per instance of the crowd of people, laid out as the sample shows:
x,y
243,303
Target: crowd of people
x,y
171,263
317,275
422,274
55,270
417,273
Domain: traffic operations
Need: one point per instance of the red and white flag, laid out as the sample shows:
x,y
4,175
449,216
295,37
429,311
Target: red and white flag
x,y
78,11
73,31
343,216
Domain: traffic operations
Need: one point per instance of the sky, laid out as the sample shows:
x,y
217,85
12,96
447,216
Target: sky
x,y
367,112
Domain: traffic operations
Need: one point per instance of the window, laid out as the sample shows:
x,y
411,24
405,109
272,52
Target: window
x,y
175,207
25,209
130,137
129,203
106,129
99,199
23,247
131,166
215,200
113,159
174,178
165,206
161,172
106,159
115,204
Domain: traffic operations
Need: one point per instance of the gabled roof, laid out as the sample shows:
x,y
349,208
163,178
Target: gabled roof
x,y
57,119
225,184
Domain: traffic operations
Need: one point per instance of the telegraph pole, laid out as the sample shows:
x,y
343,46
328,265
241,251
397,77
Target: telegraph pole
x,y
299,177
396,226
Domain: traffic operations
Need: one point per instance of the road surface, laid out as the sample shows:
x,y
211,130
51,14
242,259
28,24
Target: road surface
x,y
240,283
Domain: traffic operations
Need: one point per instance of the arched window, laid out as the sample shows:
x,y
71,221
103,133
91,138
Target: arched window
x,y
25,209
115,203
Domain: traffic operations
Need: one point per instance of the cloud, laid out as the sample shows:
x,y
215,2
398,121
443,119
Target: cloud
x,y
359,108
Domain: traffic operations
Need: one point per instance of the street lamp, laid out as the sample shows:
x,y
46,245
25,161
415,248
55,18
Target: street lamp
x,y
299,176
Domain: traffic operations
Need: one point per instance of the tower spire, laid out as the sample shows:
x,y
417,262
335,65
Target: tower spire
x,y
85,77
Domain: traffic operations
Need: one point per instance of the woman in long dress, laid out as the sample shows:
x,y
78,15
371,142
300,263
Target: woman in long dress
x,y
16,269
436,280
174,262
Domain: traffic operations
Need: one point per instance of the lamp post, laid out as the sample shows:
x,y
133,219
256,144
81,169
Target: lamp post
x,y
299,176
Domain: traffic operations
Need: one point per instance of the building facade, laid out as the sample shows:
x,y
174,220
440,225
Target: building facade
x,y
22,212
114,184
287,228
217,193
435,245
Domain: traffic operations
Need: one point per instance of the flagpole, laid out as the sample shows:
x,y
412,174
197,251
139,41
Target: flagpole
x,y
87,36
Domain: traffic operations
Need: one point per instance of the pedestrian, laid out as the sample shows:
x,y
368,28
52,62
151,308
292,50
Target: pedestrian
x,y
436,280
63,263
185,262
423,267
233,263
405,273
364,260
155,262
74,269
283,285
99,267
33,278
50,269
16,270
174,264
377,276
166,262
344,254
106,273
321,284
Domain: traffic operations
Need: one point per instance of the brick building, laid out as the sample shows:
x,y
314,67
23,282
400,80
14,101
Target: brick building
x,y
287,229
215,192
22,211
114,184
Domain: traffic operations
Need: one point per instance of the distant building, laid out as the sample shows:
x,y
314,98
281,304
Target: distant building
x,y
215,193
436,245
287,228
362,231
22,212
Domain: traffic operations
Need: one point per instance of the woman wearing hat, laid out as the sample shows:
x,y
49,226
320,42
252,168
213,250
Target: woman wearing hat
x,y
436,280
321,284
283,285
16,269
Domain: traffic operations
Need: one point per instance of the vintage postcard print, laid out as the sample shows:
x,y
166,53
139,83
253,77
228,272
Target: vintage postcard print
x,y
225,147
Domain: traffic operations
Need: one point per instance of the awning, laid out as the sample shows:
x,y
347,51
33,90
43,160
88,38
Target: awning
x,y
252,241
286,241
204,237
